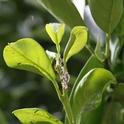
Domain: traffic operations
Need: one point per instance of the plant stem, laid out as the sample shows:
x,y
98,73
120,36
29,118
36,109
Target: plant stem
x,y
92,52
68,110
89,49
65,102
58,48
57,90
63,96
107,50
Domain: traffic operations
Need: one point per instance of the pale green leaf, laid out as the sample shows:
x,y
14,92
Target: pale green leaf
x,y
27,54
77,41
55,31
35,116
106,13
88,93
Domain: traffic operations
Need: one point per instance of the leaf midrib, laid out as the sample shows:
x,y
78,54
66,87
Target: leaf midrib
x,y
30,61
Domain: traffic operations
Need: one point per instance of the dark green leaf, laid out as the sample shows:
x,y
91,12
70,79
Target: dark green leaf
x,y
106,13
35,116
96,33
80,5
118,94
92,62
63,10
94,116
113,114
88,93
27,54
120,28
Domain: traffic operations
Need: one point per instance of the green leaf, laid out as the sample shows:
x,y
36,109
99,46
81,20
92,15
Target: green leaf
x,y
88,93
118,94
95,32
55,31
63,10
35,116
120,28
94,116
115,112
106,13
27,54
80,5
92,63
77,41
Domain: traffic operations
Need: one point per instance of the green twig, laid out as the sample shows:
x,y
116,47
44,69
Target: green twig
x,y
65,102
92,52
107,48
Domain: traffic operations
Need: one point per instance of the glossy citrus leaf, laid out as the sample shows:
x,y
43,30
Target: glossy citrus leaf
x,y
118,94
92,63
27,54
94,116
106,13
64,10
88,93
115,112
55,31
35,116
80,5
77,41
95,31
120,28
